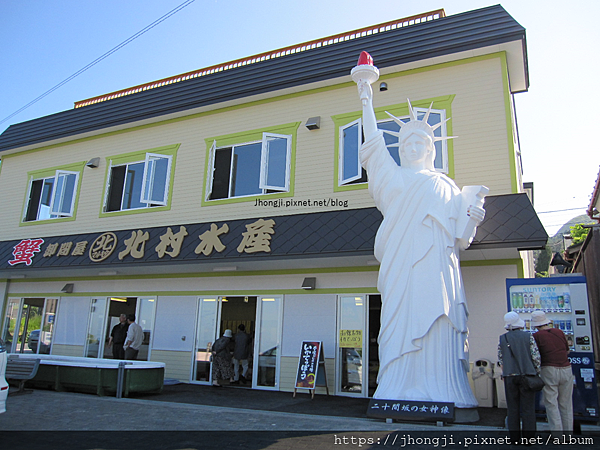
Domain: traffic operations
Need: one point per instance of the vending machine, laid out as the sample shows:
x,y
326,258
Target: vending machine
x,y
565,302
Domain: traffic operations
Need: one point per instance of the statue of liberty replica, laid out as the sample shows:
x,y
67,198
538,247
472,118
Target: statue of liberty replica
x,y
427,220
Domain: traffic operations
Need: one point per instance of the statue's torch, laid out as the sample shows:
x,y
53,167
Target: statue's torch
x,y
365,71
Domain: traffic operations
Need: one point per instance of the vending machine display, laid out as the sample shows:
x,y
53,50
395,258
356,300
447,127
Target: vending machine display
x,y
565,302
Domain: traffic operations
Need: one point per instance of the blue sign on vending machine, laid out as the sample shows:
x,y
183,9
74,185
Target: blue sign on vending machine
x,y
564,300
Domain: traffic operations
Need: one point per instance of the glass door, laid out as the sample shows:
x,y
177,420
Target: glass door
x,y
145,318
94,343
11,319
206,333
268,343
29,325
350,376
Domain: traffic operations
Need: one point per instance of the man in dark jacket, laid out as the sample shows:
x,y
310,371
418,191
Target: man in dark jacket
x,y
518,355
241,352
117,337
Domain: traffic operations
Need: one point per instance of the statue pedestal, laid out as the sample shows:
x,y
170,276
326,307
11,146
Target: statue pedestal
x,y
466,415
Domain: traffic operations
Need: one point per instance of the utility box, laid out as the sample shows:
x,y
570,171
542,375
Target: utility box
x,y
483,382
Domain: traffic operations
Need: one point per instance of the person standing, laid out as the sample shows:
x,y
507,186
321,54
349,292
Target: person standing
x,y
118,336
241,352
518,355
556,372
221,361
135,338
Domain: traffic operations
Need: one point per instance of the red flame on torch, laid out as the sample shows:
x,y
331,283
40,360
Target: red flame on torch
x,y
365,59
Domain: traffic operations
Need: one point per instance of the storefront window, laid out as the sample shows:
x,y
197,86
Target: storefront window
x,y
207,320
10,322
96,327
351,320
269,342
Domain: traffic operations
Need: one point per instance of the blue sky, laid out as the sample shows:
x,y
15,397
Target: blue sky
x,y
43,42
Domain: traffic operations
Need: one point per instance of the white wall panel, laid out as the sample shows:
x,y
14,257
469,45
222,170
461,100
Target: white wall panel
x,y
485,288
175,320
308,318
72,320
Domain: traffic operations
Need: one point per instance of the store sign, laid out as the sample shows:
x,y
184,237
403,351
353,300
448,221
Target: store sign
x,y
409,409
298,235
308,365
25,250
256,238
350,339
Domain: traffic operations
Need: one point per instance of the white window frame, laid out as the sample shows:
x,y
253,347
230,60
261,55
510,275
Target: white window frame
x,y
149,179
264,163
57,211
53,198
419,111
264,166
341,180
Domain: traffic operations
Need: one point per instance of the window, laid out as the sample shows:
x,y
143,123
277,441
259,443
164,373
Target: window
x,y
250,164
52,194
351,175
140,180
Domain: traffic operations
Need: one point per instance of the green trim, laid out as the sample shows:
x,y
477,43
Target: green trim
x,y
220,292
257,273
512,152
262,102
45,173
204,274
492,262
400,109
251,136
139,156
518,262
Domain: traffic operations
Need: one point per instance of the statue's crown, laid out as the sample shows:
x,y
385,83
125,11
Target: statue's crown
x,y
414,124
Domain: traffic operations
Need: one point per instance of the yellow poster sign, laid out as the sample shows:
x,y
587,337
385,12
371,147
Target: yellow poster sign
x,y
350,338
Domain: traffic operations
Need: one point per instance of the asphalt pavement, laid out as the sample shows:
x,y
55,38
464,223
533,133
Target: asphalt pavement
x,y
66,420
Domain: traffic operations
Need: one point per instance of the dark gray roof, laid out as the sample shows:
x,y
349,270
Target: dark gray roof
x,y
510,222
444,36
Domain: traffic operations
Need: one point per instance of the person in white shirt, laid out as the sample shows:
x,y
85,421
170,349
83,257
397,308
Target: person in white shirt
x,y
135,337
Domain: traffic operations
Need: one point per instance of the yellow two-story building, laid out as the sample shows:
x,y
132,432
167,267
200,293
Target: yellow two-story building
x,y
234,194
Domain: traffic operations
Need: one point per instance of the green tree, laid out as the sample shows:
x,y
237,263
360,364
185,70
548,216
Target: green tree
x,y
542,261
578,233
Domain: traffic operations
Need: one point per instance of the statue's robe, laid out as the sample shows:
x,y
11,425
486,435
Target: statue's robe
x,y
423,351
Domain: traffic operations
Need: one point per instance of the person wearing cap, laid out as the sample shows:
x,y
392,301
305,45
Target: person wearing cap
x,y
518,355
221,361
556,372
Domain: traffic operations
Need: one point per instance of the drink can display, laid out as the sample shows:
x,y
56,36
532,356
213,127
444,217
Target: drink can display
x,y
537,302
568,326
567,301
561,303
514,301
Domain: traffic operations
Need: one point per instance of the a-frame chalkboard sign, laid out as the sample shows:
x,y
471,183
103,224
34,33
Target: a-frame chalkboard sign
x,y
311,368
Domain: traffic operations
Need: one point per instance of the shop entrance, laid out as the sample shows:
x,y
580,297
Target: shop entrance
x,y
29,325
215,315
104,315
261,317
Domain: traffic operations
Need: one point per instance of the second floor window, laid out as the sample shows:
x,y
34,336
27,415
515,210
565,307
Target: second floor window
x,y
351,137
52,197
139,184
250,168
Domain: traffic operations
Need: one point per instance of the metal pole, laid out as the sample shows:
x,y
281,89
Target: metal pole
x,y
120,376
